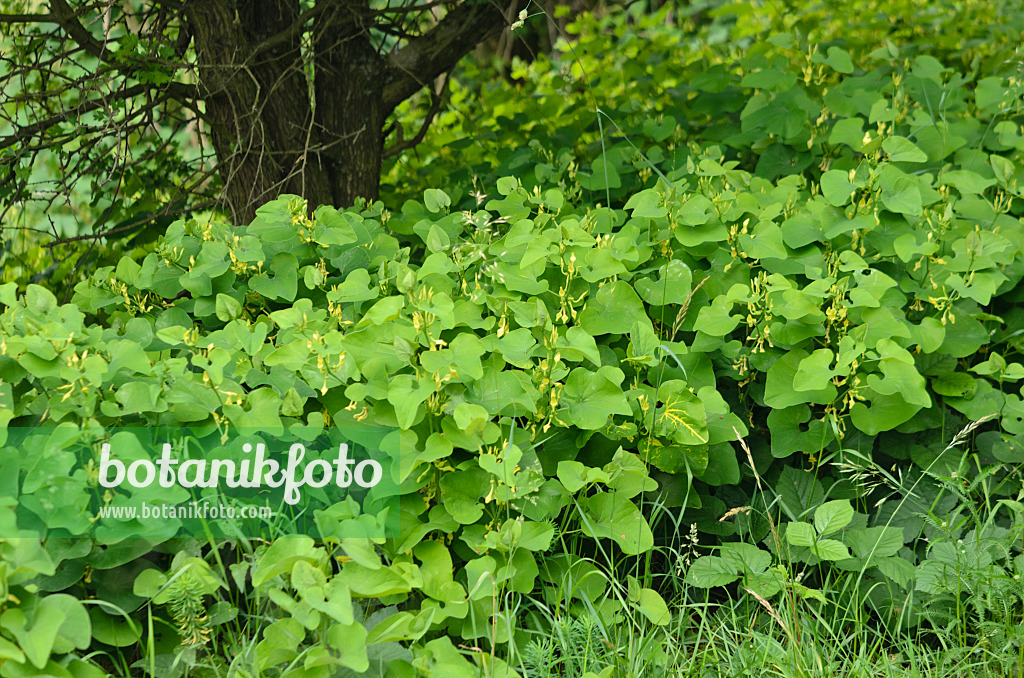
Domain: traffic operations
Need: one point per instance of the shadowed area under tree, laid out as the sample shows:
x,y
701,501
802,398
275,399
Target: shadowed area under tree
x,y
293,95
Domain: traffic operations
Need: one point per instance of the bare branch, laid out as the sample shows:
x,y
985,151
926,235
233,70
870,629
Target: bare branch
x,y
68,20
27,19
437,51
291,32
174,90
436,103
133,225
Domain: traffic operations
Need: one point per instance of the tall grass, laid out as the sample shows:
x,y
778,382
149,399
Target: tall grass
x,y
835,629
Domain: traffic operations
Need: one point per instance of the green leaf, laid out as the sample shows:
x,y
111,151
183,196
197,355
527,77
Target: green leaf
x,y
284,285
470,418
281,557
148,583
901,149
462,491
723,466
927,66
647,204
907,247
437,239
55,623
885,413
9,650
748,558
604,174
674,458
815,371
836,187
273,222
500,391
367,582
263,413
350,642
849,131
228,308
35,636
832,516
113,630
839,60
652,605
407,393
696,211
830,549
507,184
627,474
709,571
332,227
877,542
793,430
613,310
357,287
965,181
439,657
964,335
904,197
990,93
807,592
681,417
293,405
899,569
611,516
535,536
900,375
671,287
799,491
780,385
436,200
381,312
39,300
502,466
771,79
589,398
801,534
574,476
280,641
715,320
578,345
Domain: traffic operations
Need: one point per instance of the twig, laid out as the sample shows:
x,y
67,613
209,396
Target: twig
x,y
436,102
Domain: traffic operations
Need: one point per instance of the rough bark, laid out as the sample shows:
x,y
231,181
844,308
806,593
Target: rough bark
x,y
272,132
349,110
257,101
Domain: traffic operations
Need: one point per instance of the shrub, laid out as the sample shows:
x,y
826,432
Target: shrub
x,y
836,274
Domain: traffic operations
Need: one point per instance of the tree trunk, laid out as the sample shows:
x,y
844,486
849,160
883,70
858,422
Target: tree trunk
x,y
257,101
282,120
349,108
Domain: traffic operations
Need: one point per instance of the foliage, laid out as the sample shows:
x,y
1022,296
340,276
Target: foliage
x,y
665,80
816,253
117,118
